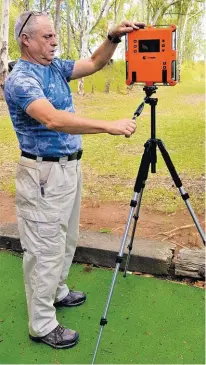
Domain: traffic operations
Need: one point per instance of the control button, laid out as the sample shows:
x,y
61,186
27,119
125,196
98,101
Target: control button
x,y
164,63
163,50
135,51
164,67
163,40
163,45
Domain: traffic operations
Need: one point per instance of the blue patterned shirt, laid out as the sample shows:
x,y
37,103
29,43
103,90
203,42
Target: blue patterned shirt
x,y
28,82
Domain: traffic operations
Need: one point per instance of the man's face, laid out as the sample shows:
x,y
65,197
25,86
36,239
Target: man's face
x,y
42,43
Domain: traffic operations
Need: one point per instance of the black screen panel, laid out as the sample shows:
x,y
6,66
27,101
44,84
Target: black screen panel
x,y
149,45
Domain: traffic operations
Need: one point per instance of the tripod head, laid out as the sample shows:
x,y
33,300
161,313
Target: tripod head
x,y
149,90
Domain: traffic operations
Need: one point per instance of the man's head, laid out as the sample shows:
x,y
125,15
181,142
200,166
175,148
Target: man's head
x,y
36,36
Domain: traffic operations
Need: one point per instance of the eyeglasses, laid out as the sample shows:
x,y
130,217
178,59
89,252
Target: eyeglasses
x,y
35,13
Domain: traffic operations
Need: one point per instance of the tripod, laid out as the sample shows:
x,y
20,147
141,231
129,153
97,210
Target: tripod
x,y
149,158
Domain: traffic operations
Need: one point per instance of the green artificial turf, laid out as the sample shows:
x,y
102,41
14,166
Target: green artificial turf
x,y
150,321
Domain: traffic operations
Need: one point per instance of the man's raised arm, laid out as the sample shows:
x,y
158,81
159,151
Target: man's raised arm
x,y
103,54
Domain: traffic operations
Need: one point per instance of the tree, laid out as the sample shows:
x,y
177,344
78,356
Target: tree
x,y
57,24
183,20
27,5
4,42
82,23
68,29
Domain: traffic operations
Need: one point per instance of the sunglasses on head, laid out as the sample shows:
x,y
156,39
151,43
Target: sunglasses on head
x,y
35,13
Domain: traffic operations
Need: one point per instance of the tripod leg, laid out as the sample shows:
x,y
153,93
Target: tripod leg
x,y
147,159
136,217
103,320
119,259
178,183
139,184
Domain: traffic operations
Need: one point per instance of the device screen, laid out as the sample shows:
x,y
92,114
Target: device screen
x,y
149,45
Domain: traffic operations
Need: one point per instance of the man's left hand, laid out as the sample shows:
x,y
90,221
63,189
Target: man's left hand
x,y
125,27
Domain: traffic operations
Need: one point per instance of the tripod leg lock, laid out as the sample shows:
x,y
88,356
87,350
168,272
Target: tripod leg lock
x,y
133,203
185,196
103,321
119,259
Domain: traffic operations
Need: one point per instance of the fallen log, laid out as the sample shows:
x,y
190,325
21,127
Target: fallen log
x,y
190,262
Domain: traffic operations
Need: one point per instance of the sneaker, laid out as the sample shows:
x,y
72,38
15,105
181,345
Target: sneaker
x,y
59,338
73,299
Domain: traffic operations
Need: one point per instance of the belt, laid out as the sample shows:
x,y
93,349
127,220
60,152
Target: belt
x,y
73,156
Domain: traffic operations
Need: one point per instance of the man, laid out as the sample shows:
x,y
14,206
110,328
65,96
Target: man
x,y
48,183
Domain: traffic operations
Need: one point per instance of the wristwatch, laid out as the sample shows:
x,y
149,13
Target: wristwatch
x,y
113,39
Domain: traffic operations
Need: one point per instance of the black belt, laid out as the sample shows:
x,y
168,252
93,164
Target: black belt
x,y
73,156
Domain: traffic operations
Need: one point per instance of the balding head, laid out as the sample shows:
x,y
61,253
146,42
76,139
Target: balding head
x,y
27,23
36,36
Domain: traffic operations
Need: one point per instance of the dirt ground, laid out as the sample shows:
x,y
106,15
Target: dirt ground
x,y
112,217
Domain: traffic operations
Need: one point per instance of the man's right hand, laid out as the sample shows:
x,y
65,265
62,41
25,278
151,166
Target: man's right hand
x,y
62,121
122,127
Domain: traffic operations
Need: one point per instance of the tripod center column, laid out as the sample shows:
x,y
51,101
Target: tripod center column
x,y
153,103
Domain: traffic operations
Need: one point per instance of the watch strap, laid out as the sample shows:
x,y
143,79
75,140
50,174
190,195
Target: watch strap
x,y
113,39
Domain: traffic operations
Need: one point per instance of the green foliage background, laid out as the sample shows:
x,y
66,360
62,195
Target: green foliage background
x,y
194,44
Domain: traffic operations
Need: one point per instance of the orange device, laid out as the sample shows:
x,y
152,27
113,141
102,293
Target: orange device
x,y
151,56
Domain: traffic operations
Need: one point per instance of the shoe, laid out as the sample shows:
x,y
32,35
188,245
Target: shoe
x,y
59,338
73,299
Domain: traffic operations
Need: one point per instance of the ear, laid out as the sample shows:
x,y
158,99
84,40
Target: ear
x,y
25,39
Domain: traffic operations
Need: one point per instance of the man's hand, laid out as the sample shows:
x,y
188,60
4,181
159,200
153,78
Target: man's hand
x,y
122,127
103,54
62,121
125,27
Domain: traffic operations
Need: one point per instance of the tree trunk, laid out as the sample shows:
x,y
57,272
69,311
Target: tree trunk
x,y
68,29
83,54
82,23
190,263
46,6
57,24
160,11
107,87
26,5
43,5
80,90
143,10
3,67
181,44
117,4
4,42
148,12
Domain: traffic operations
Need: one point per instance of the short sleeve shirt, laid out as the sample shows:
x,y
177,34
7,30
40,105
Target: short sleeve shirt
x,y
28,82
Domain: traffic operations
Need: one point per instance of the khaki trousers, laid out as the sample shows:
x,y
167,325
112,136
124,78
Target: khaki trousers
x,y
48,196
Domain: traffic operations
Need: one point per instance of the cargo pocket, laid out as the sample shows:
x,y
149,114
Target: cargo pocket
x,y
27,190
41,232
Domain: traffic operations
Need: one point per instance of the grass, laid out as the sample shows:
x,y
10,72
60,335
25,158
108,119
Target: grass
x,y
110,163
150,321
